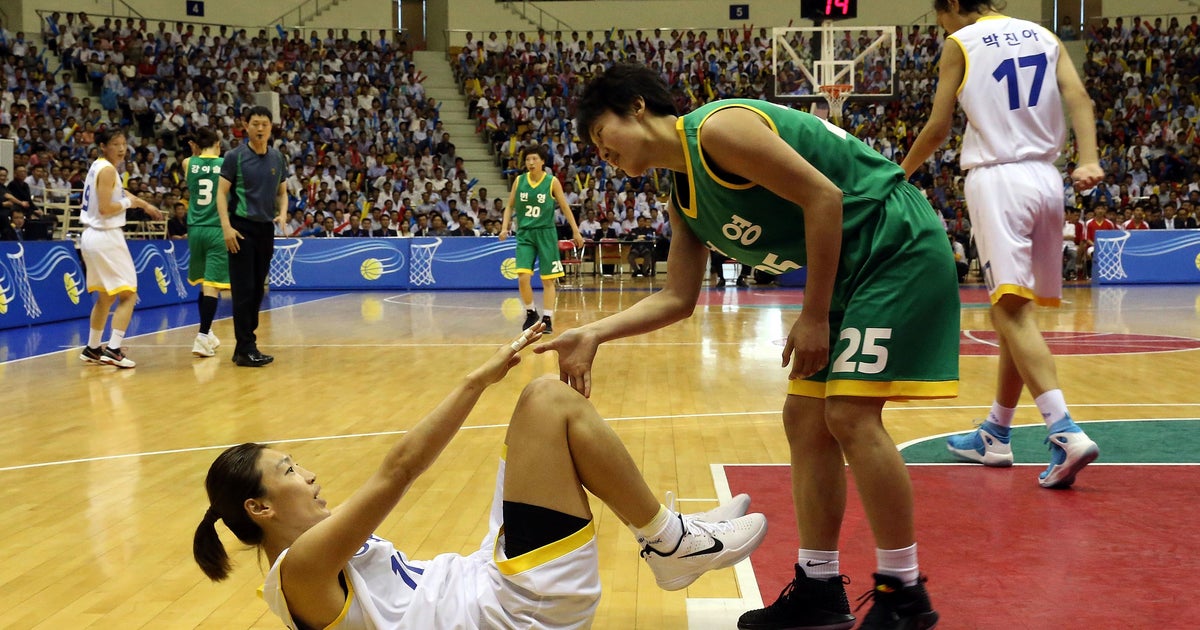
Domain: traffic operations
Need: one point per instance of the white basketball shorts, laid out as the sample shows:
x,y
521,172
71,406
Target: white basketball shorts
x,y
1017,221
109,264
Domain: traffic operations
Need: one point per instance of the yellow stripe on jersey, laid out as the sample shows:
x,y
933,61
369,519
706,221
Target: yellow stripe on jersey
x,y
1024,292
687,155
543,555
345,607
704,162
966,64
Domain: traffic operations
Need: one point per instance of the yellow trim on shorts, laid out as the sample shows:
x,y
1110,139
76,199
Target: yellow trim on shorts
x,y
521,271
554,275
1022,292
117,291
542,555
209,283
891,390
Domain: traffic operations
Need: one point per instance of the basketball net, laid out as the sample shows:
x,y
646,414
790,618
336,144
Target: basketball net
x,y
1108,256
173,267
422,263
836,96
280,272
21,279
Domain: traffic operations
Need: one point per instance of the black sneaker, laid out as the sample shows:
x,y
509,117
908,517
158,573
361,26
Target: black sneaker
x,y
811,603
116,357
720,284
741,282
91,355
898,607
548,329
531,318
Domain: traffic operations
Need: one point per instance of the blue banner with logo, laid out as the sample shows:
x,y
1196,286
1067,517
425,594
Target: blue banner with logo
x,y
339,263
43,281
466,263
420,263
1146,257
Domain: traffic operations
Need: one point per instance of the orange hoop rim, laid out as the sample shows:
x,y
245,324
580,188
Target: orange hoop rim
x,y
836,90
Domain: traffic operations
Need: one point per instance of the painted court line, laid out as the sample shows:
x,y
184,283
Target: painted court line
x,y
721,613
346,436
155,332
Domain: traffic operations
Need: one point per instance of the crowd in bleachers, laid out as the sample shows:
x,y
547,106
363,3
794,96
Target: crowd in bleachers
x,y
355,121
364,139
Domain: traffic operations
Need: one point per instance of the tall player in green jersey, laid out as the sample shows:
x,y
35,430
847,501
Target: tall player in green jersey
x,y
534,197
779,189
209,259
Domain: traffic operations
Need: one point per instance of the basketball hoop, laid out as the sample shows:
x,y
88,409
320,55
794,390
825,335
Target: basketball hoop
x,y
836,96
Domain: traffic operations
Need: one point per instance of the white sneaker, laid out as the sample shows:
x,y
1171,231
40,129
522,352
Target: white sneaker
x,y
212,340
704,546
203,347
731,509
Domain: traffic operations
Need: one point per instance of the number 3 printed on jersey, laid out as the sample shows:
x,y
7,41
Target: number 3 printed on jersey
x,y
1007,72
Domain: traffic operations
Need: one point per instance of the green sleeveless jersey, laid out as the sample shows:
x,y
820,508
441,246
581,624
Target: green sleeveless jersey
x,y
202,176
534,205
754,225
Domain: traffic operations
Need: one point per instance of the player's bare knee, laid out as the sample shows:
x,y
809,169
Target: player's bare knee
x,y
849,423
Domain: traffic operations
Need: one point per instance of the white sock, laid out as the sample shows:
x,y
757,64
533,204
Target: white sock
x,y
1000,415
820,565
529,306
1052,405
899,563
94,336
117,338
663,532
549,312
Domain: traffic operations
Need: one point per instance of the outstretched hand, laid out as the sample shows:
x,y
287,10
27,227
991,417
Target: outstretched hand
x,y
576,350
508,355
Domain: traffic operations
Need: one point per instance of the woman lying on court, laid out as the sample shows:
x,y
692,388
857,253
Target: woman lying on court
x,y
538,565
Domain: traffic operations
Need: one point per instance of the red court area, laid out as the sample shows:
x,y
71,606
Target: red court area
x,y
1117,551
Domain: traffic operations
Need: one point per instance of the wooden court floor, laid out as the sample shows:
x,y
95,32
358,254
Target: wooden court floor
x,y
101,471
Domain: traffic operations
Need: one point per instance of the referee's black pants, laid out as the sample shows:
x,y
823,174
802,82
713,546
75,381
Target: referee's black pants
x,y
248,270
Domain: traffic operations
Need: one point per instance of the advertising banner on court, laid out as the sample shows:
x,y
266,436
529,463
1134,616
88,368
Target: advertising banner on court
x,y
340,263
1146,257
44,281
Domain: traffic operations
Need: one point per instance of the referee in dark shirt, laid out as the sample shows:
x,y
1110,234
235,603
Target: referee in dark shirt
x,y
250,196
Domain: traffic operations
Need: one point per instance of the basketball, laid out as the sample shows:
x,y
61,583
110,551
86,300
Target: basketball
x,y
371,269
508,268
72,287
160,279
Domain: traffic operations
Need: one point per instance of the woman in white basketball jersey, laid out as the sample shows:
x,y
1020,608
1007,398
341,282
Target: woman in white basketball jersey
x,y
536,568
1020,76
110,272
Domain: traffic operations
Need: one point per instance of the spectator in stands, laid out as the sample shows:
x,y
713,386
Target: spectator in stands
x,y
177,226
385,227
437,225
641,251
12,226
20,194
960,258
1072,237
355,228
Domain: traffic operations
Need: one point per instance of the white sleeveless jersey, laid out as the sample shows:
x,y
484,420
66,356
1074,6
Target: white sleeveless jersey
x,y
90,215
1010,92
387,590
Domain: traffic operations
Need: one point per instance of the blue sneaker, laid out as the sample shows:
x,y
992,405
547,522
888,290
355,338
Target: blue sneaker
x,y
987,445
1070,451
